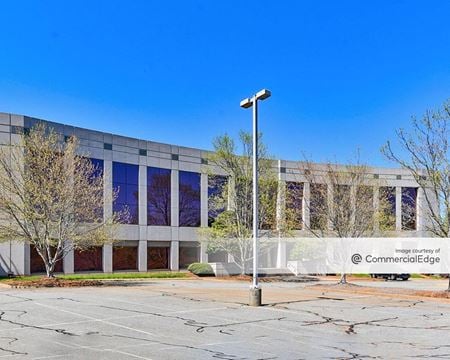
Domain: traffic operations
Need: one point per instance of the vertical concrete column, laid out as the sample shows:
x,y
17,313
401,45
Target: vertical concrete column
x,y
427,205
281,215
281,254
142,255
174,196
142,195
27,260
421,211
68,263
203,253
107,188
330,196
15,257
231,194
142,248
306,205
174,208
174,255
376,209
107,211
107,258
398,208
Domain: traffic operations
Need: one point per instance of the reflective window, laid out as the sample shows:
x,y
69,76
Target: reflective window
x,y
98,166
125,181
387,208
365,210
268,213
318,207
189,199
98,171
341,206
158,196
216,202
294,205
409,208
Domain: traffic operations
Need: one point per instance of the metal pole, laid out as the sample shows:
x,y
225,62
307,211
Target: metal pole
x,y
255,193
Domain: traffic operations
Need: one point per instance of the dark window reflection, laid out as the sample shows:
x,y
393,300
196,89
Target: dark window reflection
x,y
189,198
294,204
342,206
216,202
125,181
158,196
409,208
318,207
98,167
365,210
387,206
98,172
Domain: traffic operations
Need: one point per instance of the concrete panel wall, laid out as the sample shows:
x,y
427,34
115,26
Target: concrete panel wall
x,y
110,147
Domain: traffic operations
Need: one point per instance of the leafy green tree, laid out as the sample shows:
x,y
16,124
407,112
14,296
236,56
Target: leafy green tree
x,y
424,151
231,231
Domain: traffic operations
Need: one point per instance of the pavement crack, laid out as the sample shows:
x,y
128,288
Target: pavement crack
x,y
215,354
200,326
68,299
37,327
303,300
350,326
9,351
350,354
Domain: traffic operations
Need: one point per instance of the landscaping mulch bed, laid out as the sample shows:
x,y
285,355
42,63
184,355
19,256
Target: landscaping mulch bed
x,y
269,279
55,282
371,290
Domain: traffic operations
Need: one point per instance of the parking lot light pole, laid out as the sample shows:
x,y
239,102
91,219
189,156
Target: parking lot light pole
x,y
255,289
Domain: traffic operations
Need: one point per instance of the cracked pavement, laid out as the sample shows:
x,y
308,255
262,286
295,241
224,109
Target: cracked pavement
x,y
208,319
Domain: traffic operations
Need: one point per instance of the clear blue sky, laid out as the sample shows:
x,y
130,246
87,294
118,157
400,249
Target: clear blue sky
x,y
343,74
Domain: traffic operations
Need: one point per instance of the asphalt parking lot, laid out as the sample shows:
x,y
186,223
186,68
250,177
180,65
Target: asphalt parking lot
x,y
208,319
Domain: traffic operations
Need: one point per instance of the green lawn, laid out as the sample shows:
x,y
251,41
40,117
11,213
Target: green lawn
x,y
360,275
422,276
114,276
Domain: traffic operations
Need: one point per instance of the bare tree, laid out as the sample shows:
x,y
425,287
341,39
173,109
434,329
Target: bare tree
x,y
425,153
341,203
231,230
158,200
51,196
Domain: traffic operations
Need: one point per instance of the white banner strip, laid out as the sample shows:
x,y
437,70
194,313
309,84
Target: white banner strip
x,y
369,255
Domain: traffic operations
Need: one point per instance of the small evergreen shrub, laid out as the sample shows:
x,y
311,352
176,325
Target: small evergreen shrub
x,y
201,269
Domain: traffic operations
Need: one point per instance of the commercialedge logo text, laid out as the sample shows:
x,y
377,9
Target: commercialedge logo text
x,y
410,259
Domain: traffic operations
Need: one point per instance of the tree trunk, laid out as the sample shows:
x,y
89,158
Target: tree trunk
x,y
244,268
50,268
343,279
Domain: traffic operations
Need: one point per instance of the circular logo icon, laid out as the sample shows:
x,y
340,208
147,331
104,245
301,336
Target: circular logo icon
x,y
356,259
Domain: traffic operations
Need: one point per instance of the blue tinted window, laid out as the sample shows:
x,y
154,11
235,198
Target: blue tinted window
x,y
97,172
158,196
216,186
132,174
387,199
119,173
318,207
189,198
98,165
294,204
125,181
409,208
